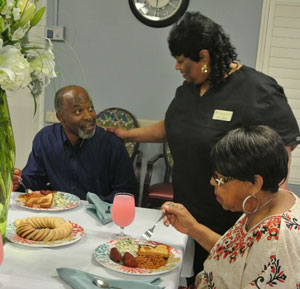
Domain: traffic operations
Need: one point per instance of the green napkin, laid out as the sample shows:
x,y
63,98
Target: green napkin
x,y
78,279
98,209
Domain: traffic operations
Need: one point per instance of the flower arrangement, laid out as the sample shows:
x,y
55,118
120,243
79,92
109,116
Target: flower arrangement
x,y
22,62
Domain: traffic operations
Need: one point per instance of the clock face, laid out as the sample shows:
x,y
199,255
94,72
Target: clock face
x,y
158,13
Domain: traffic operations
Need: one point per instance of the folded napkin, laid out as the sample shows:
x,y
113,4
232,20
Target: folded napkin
x,y
82,280
98,209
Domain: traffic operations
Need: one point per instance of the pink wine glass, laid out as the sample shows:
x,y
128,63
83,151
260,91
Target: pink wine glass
x,y
123,211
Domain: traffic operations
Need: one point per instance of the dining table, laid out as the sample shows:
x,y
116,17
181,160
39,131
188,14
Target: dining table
x,y
35,267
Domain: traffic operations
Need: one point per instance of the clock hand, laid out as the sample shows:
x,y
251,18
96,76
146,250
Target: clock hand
x,y
156,8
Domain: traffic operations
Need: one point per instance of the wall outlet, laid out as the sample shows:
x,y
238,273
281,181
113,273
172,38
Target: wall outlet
x,y
55,33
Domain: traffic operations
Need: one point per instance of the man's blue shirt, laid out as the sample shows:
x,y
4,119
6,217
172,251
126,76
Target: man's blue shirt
x,y
99,164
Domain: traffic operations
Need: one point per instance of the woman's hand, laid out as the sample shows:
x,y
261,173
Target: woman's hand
x,y
119,132
182,220
179,217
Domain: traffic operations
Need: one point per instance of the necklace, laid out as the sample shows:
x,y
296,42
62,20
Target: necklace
x,y
250,218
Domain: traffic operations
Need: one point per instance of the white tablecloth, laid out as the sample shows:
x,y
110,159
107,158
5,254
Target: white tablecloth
x,y
29,267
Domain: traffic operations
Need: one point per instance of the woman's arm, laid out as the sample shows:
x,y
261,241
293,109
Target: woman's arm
x,y
151,133
182,220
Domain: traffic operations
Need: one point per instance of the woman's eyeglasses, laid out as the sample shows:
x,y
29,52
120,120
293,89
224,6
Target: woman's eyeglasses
x,y
221,181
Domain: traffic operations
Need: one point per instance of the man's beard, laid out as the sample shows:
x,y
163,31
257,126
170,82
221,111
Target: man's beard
x,y
84,135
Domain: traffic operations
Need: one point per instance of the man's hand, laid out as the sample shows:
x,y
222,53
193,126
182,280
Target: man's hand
x,y
16,179
179,217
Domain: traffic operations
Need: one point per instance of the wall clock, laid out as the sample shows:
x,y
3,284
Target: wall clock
x,y
158,13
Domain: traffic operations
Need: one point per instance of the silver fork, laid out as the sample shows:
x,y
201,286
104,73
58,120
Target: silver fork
x,y
148,234
26,189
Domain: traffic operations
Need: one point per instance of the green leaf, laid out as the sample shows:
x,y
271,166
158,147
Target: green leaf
x,y
2,27
37,17
2,4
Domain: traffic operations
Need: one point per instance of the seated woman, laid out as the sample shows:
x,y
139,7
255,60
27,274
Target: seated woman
x,y
262,249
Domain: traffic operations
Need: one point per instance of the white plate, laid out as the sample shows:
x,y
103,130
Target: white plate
x,y
11,235
74,201
101,254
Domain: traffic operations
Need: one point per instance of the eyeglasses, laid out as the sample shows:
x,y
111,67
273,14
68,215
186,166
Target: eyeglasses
x,y
221,181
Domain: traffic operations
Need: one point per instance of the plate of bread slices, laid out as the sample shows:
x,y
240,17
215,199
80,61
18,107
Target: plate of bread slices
x,y
48,201
130,257
44,232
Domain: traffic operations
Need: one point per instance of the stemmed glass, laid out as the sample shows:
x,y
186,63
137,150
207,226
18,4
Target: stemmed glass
x,y
123,211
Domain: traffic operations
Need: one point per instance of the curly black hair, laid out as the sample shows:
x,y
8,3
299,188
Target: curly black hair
x,y
195,32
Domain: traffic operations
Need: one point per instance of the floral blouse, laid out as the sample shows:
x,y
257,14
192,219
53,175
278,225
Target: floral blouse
x,y
267,256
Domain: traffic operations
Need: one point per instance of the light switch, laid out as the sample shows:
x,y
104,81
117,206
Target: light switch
x,y
55,33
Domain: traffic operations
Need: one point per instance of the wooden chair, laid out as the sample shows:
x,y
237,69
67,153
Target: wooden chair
x,y
154,195
121,118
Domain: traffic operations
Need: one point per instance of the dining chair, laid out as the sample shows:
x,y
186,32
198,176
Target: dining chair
x,y
122,118
154,195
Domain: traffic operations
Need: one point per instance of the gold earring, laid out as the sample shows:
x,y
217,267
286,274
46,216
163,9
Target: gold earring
x,y
204,69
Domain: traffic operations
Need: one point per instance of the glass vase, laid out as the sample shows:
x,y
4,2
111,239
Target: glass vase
x,y
7,160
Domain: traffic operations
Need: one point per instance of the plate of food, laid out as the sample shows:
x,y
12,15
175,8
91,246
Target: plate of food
x,y
44,232
48,201
129,257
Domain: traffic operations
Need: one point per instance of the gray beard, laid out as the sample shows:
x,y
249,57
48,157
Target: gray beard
x,y
84,135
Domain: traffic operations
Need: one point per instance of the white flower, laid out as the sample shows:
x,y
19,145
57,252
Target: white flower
x,y
42,62
16,13
23,62
18,34
27,11
7,8
14,69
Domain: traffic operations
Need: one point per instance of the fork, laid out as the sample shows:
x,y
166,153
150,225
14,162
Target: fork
x,y
148,234
26,189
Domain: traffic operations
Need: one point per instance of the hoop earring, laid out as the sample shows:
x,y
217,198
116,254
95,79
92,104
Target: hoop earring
x,y
204,69
244,203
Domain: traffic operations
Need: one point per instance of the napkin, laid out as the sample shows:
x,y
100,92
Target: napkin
x,y
98,209
78,279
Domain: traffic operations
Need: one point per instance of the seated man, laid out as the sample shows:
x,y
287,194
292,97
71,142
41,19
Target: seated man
x,y
75,155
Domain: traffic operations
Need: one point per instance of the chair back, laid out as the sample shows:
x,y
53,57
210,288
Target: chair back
x,y
156,194
169,162
120,118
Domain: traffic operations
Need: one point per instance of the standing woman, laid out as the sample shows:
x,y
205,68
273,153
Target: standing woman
x,y
218,95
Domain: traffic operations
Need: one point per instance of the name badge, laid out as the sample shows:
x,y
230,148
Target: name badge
x,y
224,115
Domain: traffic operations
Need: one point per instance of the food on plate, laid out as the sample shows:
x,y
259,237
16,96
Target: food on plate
x,y
127,245
44,229
141,256
60,201
44,199
115,255
152,257
129,260
38,199
160,250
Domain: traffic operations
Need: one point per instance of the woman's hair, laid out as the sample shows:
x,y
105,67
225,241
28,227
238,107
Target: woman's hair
x,y
255,150
195,32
